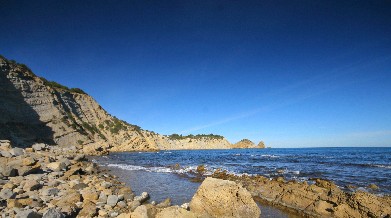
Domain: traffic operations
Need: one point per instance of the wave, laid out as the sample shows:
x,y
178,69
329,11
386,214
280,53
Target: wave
x,y
382,166
270,155
185,170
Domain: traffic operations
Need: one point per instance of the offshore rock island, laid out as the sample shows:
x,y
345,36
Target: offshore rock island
x,y
46,130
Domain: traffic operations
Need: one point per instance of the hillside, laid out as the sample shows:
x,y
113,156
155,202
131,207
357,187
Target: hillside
x,y
36,110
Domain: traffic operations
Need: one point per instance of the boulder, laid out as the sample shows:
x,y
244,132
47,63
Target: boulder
x,y
5,145
165,203
28,161
53,213
80,157
28,214
6,193
89,210
5,154
31,185
142,198
144,211
50,192
39,147
175,211
17,151
9,171
112,200
90,194
222,198
133,205
56,166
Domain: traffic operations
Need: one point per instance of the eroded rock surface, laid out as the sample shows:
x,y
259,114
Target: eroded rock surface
x,y
223,198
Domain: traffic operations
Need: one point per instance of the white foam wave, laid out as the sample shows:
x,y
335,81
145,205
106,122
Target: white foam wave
x,y
382,166
270,155
155,169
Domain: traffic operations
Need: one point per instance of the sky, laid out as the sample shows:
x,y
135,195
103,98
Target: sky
x,y
290,73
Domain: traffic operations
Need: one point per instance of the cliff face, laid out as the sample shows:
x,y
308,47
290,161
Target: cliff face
x,y
35,110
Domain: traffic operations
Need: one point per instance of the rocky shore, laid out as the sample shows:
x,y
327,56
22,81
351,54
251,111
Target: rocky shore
x,y
320,199
57,181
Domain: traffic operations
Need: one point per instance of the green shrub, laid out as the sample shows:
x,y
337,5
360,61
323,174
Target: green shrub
x,y
199,136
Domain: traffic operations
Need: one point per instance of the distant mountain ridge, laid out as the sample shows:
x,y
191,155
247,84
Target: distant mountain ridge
x,y
36,110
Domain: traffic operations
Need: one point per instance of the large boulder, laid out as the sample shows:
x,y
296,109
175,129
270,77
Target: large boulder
x,y
175,211
223,198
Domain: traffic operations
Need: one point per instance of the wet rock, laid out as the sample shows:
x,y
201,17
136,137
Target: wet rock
x,y
142,198
201,169
112,200
222,198
373,187
53,213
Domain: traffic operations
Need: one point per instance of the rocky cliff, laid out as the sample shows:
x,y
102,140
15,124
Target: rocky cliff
x,y
35,110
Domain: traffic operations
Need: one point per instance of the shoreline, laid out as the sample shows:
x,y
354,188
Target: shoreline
x,y
46,180
316,198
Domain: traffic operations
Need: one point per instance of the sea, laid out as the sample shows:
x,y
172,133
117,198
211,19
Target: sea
x,y
169,173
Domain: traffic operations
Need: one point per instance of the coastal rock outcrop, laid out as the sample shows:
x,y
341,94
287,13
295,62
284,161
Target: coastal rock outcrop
x,y
321,199
244,143
35,110
223,198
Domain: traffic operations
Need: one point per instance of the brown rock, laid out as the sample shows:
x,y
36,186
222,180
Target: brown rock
x,y
89,210
222,198
13,203
176,212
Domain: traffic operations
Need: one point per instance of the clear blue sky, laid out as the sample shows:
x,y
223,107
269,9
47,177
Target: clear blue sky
x,y
291,73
